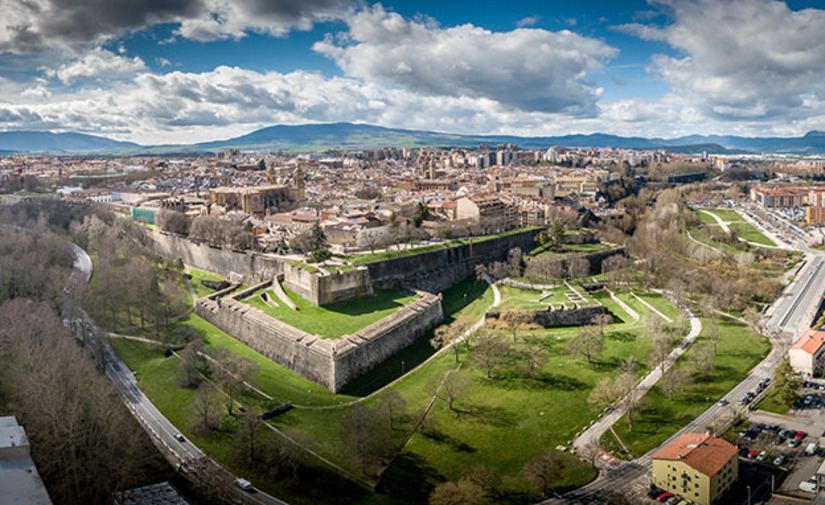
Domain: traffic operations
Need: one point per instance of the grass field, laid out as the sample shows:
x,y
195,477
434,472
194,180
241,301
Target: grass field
x,y
527,299
745,230
568,249
739,350
335,319
201,290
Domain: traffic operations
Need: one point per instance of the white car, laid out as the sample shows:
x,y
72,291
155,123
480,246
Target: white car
x,y
179,437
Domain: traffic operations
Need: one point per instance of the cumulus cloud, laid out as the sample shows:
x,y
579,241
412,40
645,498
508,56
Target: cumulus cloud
x,y
743,59
529,69
28,25
97,63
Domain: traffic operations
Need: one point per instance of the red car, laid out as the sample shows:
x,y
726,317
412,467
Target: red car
x,y
752,454
799,435
664,497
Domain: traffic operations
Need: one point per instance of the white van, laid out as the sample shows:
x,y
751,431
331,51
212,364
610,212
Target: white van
x,y
810,449
244,484
809,485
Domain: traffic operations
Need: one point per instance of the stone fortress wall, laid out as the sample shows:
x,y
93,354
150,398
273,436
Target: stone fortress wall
x,y
322,287
559,317
331,363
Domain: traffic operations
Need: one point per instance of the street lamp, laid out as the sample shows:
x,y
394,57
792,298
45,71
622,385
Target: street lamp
x,y
749,494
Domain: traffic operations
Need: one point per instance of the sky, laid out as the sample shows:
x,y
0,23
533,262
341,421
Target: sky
x,y
183,71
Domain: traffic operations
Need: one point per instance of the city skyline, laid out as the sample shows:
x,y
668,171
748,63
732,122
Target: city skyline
x,y
201,70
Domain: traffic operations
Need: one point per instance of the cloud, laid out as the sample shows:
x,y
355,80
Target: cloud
x,y
97,63
163,62
29,25
527,21
528,69
741,60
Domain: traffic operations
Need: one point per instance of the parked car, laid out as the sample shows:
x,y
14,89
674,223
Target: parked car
x,y
762,455
752,454
779,460
654,492
673,500
807,401
664,497
784,433
799,435
808,485
794,442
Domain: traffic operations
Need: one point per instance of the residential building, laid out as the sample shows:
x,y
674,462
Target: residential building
x,y
815,215
20,483
806,354
698,467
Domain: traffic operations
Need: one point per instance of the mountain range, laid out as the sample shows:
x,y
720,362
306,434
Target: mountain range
x,y
349,136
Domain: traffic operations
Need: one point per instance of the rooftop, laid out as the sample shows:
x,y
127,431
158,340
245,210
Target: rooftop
x,y
702,452
810,342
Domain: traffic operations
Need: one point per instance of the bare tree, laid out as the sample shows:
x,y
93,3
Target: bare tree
x,y
173,221
482,475
578,268
490,351
542,470
675,382
662,346
391,402
454,385
586,343
704,359
463,492
534,356
447,334
206,408
602,320
369,440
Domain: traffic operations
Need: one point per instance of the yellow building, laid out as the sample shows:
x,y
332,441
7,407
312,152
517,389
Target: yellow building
x,y
697,467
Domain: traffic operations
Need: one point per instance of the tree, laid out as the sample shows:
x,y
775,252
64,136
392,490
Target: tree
x,y
233,372
454,385
514,262
482,475
193,365
629,395
542,470
490,351
602,320
446,335
250,426
534,355
463,492
206,405
604,394
675,382
173,221
391,402
705,359
711,331
662,346
557,232
369,440
578,268
586,343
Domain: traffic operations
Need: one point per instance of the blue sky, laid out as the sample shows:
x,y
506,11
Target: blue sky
x,y
195,70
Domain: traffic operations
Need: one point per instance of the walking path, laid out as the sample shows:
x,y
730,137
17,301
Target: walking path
x,y
717,251
726,228
651,308
623,305
587,443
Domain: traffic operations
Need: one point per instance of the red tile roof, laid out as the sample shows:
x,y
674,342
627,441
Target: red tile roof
x,y
704,453
810,342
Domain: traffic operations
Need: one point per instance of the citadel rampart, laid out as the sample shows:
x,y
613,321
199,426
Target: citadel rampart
x,y
332,363
324,286
436,271
252,265
558,317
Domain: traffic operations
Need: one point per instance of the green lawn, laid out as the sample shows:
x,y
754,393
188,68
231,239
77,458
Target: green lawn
x,y
569,249
661,303
751,234
528,299
201,290
739,350
335,319
772,403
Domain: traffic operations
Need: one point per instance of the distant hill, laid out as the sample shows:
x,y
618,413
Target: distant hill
x,y
349,136
66,143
